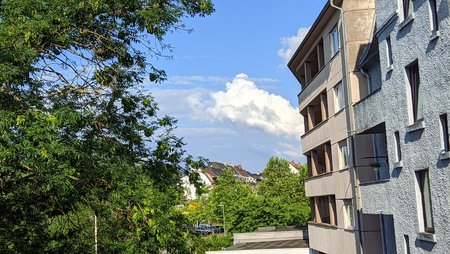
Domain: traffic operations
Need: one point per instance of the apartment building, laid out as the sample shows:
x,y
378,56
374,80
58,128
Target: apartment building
x,y
326,66
401,127
376,101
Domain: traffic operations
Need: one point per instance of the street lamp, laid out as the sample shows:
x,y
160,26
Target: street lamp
x,y
223,216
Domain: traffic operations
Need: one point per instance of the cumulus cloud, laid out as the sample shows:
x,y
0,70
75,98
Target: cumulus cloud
x,y
244,104
241,123
291,43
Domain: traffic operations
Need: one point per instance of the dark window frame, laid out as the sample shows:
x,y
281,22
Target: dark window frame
x,y
407,4
406,241
413,73
445,134
397,146
423,179
389,51
323,209
434,15
334,39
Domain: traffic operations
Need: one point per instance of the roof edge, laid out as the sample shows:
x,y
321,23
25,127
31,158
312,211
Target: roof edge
x,y
311,29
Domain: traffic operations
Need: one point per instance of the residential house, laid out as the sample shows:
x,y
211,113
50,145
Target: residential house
x,y
208,177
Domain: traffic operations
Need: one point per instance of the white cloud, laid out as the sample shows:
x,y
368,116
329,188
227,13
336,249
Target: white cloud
x,y
290,44
177,103
249,147
242,103
246,105
241,124
288,150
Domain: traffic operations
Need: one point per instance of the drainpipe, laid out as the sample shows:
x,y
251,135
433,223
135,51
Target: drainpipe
x,y
351,130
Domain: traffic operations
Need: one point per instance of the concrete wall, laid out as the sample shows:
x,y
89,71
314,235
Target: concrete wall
x,y
269,236
264,251
327,185
331,240
420,148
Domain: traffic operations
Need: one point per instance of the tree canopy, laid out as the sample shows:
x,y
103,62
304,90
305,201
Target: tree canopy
x,y
78,137
278,200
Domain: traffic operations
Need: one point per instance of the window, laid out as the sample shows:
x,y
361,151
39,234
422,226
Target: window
x,y
424,201
334,41
416,94
325,210
312,203
389,51
332,205
406,244
398,151
339,97
407,8
343,154
348,214
434,16
445,144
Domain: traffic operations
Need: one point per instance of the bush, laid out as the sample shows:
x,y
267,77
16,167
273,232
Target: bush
x,y
202,244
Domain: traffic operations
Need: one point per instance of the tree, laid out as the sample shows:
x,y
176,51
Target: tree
x,y
284,192
236,197
78,137
278,200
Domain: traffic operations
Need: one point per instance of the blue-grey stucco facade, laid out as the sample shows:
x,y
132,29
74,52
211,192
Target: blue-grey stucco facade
x,y
389,102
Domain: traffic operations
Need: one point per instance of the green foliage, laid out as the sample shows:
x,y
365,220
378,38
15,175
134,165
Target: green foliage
x,y
211,242
77,136
285,190
235,196
278,200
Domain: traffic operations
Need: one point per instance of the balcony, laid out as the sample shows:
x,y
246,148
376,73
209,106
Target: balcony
x,y
320,81
325,238
333,183
319,160
324,210
316,112
369,111
372,165
318,135
311,65
378,234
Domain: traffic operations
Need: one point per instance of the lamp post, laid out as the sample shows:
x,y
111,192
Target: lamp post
x,y
223,216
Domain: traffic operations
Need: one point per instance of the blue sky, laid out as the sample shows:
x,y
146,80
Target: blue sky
x,y
228,84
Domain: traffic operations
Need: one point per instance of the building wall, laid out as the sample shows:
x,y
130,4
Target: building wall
x,y
357,24
331,240
420,148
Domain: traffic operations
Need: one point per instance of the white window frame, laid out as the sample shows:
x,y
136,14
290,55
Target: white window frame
x,y
398,149
445,138
343,154
339,97
416,98
406,244
349,217
422,204
434,18
390,60
334,41
410,11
